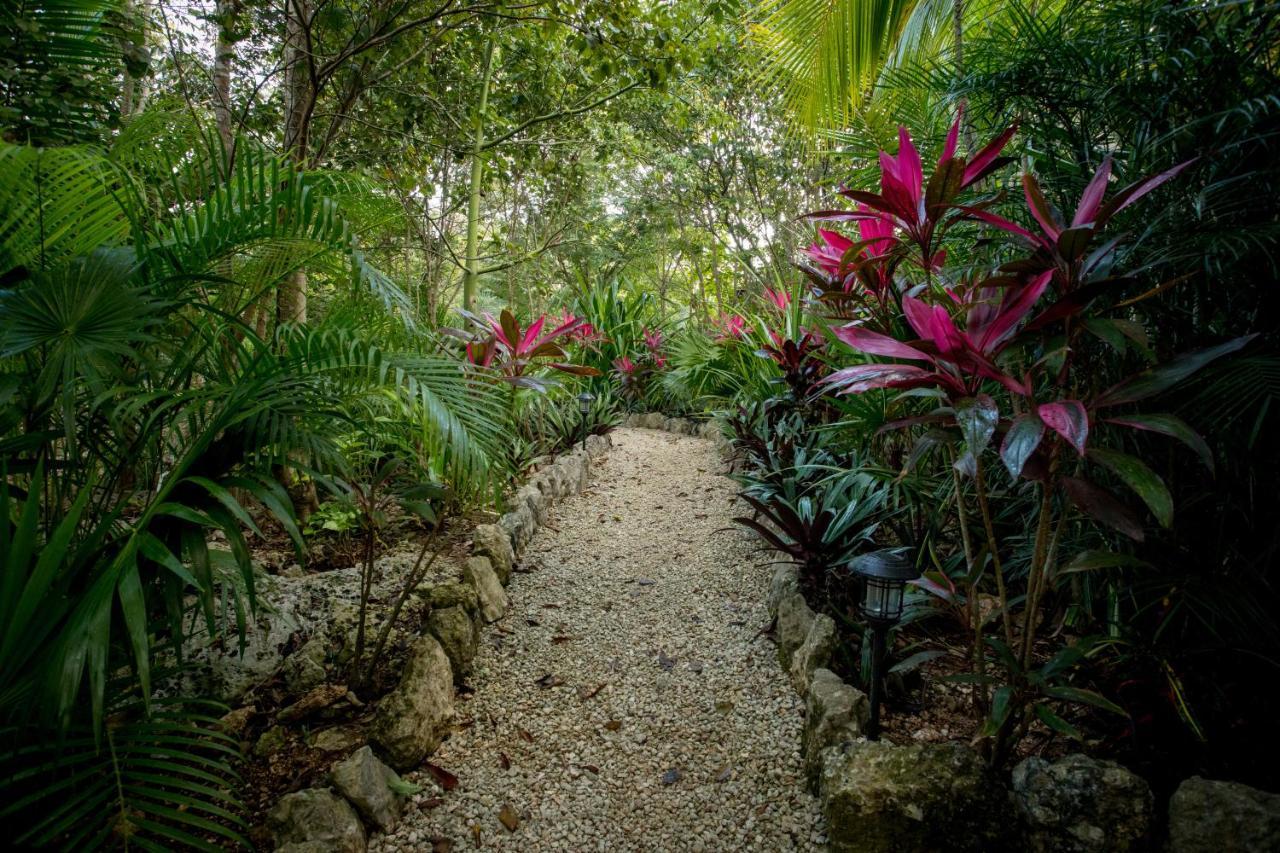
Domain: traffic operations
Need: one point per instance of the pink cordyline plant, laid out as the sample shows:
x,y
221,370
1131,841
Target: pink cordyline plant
x,y
515,352
779,299
732,327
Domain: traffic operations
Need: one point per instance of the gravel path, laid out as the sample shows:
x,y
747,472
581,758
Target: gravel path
x,y
628,700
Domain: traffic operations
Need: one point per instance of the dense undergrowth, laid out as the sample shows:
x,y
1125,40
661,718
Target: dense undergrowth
x,y
1035,346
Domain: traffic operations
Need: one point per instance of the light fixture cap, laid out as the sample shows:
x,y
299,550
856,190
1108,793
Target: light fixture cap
x,y
889,564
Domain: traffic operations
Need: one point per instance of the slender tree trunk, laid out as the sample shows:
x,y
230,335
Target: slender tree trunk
x,y
477,177
134,90
224,52
291,299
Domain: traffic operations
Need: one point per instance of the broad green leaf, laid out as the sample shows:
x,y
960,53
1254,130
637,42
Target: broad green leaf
x,y
1022,439
977,417
1087,561
1084,697
1137,476
1001,705
1056,723
1162,377
1172,426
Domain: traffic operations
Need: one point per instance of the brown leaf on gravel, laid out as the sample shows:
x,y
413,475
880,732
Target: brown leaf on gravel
x,y
503,761
443,777
532,623
590,768
475,833
431,803
561,638
613,725
549,680
441,845
585,693
509,818
525,736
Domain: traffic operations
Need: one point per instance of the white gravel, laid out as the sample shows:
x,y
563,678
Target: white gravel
x,y
638,589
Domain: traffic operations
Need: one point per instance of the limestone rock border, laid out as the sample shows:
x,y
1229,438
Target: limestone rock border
x,y
412,719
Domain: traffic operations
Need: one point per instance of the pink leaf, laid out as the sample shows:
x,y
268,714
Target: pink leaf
x,y
910,171
1003,224
1017,304
949,149
866,377
874,343
980,161
1092,198
1069,419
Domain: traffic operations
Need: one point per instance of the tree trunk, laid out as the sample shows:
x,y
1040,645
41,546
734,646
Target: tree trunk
x,y
224,51
291,299
477,176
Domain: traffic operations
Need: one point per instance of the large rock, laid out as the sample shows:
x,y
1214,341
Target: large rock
x,y
1082,805
785,582
532,498
367,784
491,541
305,668
794,621
316,819
454,609
919,798
413,718
598,445
1223,817
816,650
478,572
835,713
520,525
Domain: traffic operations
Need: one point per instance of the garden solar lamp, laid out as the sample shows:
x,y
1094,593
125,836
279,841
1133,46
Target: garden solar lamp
x,y
584,406
885,575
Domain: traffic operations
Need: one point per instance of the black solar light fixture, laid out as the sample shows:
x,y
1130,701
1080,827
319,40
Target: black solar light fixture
x,y
884,575
584,407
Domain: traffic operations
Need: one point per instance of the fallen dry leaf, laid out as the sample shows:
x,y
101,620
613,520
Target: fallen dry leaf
x,y
561,638
509,818
475,833
441,845
549,680
525,736
613,725
443,777
590,768
503,761
431,803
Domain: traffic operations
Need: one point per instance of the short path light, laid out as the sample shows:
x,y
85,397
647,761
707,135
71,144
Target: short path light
x,y
885,575
584,407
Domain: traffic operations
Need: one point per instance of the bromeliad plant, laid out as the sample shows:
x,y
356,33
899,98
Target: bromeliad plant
x,y
1009,378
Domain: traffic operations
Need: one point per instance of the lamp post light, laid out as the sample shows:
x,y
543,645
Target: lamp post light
x,y
584,408
885,574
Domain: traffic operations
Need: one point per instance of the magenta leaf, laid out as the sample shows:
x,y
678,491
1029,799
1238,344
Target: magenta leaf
x,y
1092,198
1137,190
979,162
865,377
874,343
1069,419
